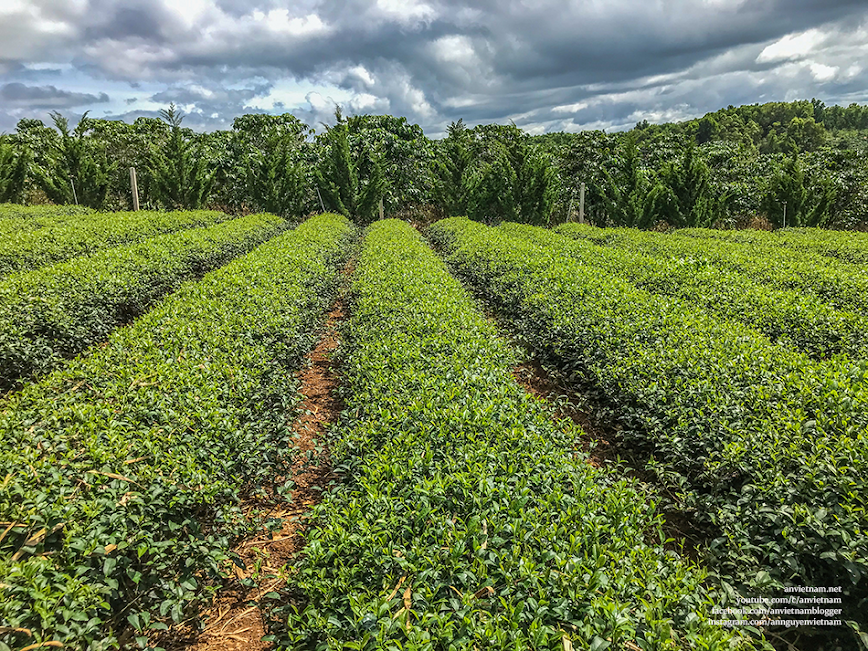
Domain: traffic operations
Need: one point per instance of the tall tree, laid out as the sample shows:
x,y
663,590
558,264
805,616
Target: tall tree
x,y
509,178
344,189
403,153
181,178
13,172
808,201
536,184
263,163
682,196
450,166
627,189
75,171
276,183
489,186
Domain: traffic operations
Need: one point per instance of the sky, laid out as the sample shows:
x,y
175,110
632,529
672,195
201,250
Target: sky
x,y
545,65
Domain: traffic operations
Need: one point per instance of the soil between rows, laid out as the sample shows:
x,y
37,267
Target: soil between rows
x,y
234,621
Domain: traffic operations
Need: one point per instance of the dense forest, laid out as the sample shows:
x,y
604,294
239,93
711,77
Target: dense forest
x,y
778,164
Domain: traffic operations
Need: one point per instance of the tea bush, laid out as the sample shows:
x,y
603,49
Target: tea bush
x,y
788,317
122,472
49,314
847,246
14,217
467,518
766,445
63,233
842,285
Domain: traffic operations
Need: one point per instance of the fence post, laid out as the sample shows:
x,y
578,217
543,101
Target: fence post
x,y
135,189
582,203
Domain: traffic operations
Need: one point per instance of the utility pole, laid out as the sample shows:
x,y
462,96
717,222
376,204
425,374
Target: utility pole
x,y
135,189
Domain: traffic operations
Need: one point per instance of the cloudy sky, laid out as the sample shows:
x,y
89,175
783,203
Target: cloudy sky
x,y
548,66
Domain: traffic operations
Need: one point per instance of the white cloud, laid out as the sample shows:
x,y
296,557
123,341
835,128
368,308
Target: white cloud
x,y
129,60
279,21
822,72
415,98
407,12
570,108
454,48
554,65
367,103
792,46
191,12
361,73
459,102
10,7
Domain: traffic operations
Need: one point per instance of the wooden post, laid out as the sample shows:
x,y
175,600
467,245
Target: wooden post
x,y
785,214
381,207
582,204
135,189
321,204
74,195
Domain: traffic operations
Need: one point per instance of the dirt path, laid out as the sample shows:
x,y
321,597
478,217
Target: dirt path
x,y
234,621
537,381
602,445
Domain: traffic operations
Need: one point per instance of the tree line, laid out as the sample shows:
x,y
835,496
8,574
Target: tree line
x,y
802,162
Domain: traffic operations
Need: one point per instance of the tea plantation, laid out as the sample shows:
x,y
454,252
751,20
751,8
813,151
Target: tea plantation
x,y
150,369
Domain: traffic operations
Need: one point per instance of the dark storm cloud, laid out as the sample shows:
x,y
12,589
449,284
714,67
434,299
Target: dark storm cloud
x,y
147,21
547,65
16,95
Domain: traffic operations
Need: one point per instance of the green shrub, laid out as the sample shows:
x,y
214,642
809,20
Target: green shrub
x,y
845,245
787,317
766,445
123,471
53,313
467,518
52,235
842,285
38,216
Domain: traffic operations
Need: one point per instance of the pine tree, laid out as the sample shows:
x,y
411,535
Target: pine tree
x,y
509,178
276,184
340,183
627,193
181,179
490,189
682,197
74,172
450,169
536,187
805,205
